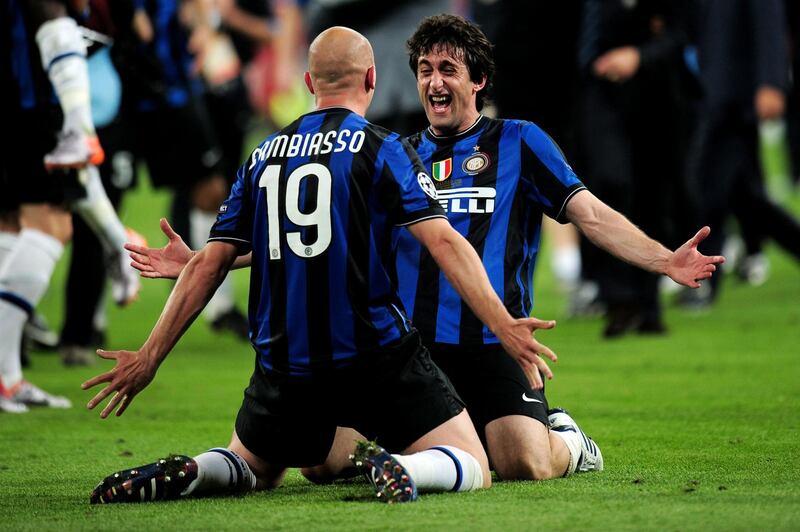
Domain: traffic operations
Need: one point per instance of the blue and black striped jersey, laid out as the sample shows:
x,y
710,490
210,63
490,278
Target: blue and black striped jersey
x,y
316,203
21,72
495,180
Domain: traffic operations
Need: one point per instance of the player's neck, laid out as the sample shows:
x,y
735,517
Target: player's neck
x,y
464,125
353,104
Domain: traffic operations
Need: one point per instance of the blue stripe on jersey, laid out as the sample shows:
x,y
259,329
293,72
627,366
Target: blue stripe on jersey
x,y
21,58
407,267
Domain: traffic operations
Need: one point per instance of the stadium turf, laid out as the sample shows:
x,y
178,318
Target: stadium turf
x,y
700,429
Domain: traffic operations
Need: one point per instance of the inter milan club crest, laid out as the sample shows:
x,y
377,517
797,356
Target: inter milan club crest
x,y
475,163
441,170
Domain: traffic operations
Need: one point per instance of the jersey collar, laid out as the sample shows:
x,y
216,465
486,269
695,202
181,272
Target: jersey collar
x,y
439,139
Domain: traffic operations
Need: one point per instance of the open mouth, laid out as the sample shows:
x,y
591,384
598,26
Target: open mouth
x,y
440,103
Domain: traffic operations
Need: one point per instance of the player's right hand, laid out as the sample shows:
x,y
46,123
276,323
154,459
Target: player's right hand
x,y
131,374
519,342
161,263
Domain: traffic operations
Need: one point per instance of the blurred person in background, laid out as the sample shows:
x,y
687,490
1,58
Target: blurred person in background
x,y
742,51
633,121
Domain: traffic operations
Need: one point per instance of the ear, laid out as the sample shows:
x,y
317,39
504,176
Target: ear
x,y
479,86
307,79
370,79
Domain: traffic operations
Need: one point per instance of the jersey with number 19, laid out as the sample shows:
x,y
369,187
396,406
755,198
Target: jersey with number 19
x,y
316,203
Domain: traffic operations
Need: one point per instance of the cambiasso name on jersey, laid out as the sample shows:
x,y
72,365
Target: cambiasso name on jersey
x,y
472,200
309,144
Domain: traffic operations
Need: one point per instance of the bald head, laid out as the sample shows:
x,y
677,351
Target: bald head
x,y
339,58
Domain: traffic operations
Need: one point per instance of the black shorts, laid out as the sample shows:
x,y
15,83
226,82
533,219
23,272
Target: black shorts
x,y
23,177
394,395
177,144
490,382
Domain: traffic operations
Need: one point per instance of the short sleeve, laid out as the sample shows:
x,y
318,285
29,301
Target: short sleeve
x,y
405,188
547,177
235,217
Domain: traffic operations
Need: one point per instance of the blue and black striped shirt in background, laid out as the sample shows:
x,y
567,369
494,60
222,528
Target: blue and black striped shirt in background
x,y
495,180
316,203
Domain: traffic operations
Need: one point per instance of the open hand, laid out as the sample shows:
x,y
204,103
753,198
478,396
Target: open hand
x,y
130,375
688,266
519,342
161,263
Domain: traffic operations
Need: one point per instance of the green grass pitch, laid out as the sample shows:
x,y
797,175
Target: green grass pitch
x,y
700,429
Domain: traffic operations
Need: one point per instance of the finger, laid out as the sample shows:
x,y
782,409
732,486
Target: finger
x,y
139,256
150,275
126,400
546,351
97,399
717,259
141,267
532,372
700,236
112,404
167,229
108,355
536,323
94,381
136,248
544,368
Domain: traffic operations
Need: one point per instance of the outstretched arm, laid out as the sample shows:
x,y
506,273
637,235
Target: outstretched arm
x,y
135,369
464,269
169,261
611,231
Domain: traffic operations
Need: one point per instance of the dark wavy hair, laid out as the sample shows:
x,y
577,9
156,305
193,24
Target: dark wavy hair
x,y
461,39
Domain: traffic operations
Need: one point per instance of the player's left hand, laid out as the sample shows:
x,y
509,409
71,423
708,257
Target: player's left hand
x,y
161,263
132,373
519,342
688,266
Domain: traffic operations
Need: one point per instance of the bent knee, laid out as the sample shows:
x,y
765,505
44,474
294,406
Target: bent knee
x,y
320,474
523,468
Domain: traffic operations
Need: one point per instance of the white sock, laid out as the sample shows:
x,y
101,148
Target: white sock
x,y
98,213
221,470
7,241
566,264
573,442
24,277
443,468
200,223
63,55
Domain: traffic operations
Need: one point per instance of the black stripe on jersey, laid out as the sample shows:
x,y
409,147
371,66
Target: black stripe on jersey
x,y
317,269
359,239
545,181
517,228
426,301
470,327
279,348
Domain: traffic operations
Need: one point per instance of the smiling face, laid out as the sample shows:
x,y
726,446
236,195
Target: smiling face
x,y
446,91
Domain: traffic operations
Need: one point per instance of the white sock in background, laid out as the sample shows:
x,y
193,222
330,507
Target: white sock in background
x,y
98,212
221,470
7,241
566,264
24,277
63,55
200,224
443,468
